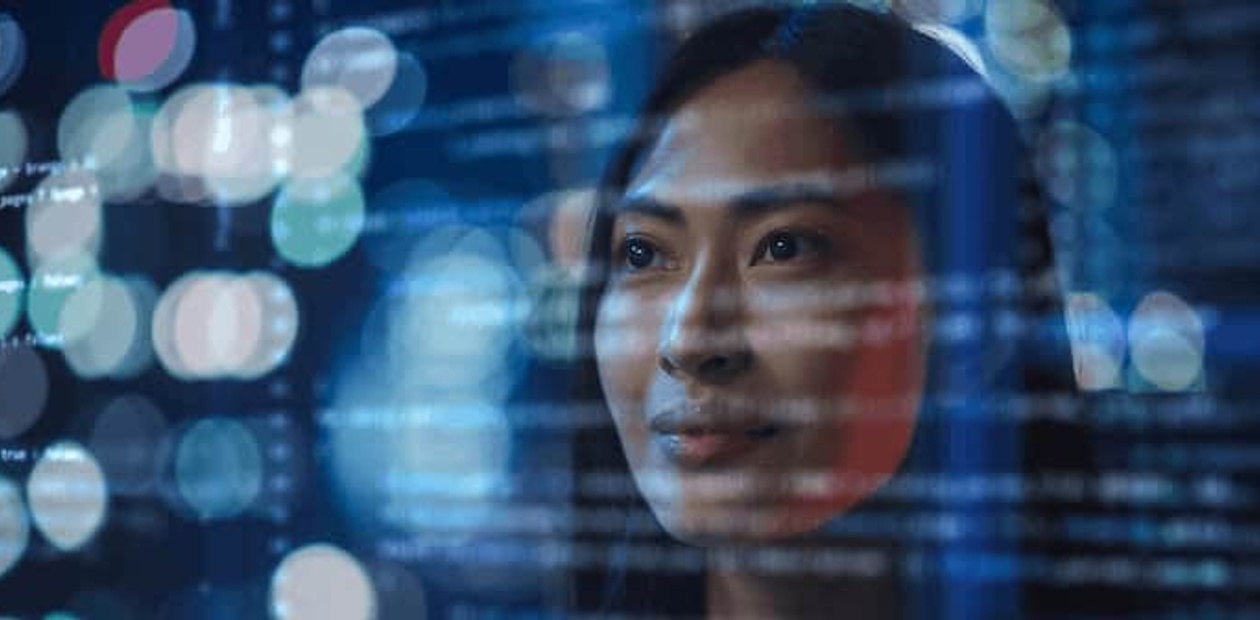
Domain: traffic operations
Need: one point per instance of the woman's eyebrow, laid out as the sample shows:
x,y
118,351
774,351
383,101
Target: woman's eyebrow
x,y
749,204
760,201
644,204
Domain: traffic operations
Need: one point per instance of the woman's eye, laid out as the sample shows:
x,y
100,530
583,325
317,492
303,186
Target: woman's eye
x,y
786,245
638,253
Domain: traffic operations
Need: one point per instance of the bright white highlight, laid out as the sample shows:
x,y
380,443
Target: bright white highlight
x,y
67,494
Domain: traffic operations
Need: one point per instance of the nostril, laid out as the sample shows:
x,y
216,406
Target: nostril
x,y
703,354
667,365
711,367
722,366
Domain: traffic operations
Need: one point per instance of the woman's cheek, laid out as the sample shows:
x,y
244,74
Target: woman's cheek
x,y
625,344
804,320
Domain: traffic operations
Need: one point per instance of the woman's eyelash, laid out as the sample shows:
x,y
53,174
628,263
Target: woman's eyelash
x,y
790,244
637,253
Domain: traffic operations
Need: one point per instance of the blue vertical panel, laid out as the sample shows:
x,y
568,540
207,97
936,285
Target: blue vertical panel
x,y
978,182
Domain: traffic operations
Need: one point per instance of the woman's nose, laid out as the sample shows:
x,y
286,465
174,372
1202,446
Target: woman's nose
x,y
702,339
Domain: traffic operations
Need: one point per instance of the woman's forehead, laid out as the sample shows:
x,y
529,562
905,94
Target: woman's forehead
x,y
752,126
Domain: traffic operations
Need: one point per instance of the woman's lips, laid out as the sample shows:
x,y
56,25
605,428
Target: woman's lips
x,y
701,448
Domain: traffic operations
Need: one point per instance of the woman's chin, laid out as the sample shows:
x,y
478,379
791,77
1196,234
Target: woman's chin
x,y
711,526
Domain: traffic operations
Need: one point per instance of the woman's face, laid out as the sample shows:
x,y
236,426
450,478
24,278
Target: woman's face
x,y
758,381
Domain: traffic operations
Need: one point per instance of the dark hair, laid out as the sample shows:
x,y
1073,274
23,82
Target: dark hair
x,y
901,96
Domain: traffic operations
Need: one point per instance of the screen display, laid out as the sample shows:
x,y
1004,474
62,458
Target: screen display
x,y
316,309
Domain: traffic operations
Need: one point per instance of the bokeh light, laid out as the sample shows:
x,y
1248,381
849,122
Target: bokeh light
x,y
24,384
560,217
214,320
131,175
329,135
438,362
68,495
222,135
218,468
1097,340
103,131
401,103
51,285
1095,367
278,110
445,469
461,312
242,161
280,322
15,526
220,325
14,142
528,258
322,582
682,17
139,357
1077,166
114,28
97,126
12,292
957,42
12,52
1027,100
1167,359
937,11
105,325
551,328
1166,340
315,222
65,218
566,236
175,183
182,189
566,74
233,145
235,325
163,325
125,437
85,307
1029,38
150,50
360,60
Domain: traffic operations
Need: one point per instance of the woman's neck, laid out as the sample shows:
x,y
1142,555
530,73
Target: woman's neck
x,y
739,592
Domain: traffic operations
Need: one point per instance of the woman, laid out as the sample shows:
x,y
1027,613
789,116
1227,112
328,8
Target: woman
x,y
760,305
